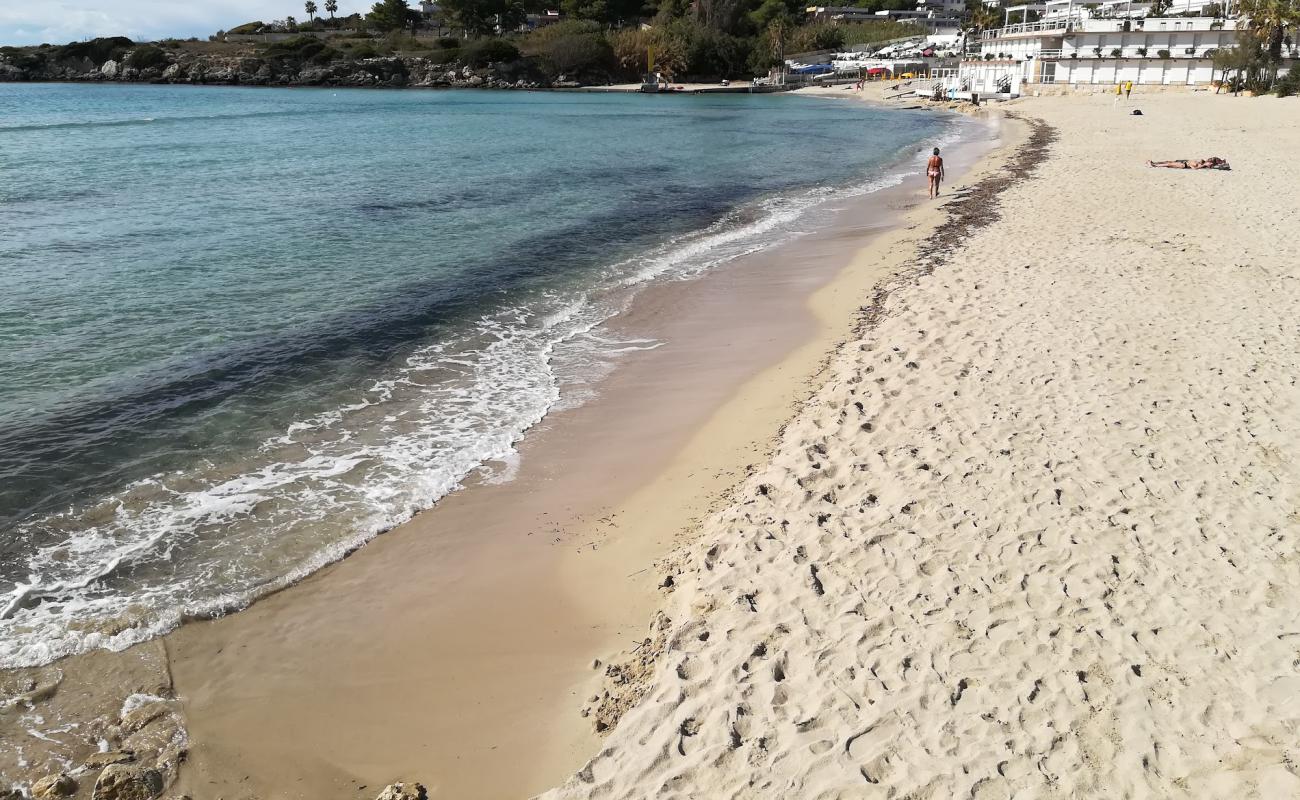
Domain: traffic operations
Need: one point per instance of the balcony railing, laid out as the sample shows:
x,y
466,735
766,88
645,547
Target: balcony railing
x,y
1042,26
1132,53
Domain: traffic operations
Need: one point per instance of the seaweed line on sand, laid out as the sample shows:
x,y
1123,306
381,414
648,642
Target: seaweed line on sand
x,y
628,676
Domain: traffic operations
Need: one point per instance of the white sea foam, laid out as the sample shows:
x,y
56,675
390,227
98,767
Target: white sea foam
x,y
332,481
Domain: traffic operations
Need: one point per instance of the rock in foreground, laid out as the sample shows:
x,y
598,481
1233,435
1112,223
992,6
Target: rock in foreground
x,y
404,791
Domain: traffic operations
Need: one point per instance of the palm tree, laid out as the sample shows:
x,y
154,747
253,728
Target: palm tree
x,y
984,18
1269,20
310,7
331,6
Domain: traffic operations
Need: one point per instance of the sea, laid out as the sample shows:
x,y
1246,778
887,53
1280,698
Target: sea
x,y
245,330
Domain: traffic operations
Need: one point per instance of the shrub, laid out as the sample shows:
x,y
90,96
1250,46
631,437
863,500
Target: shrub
x,y
147,57
711,54
577,55
443,55
1116,53
1289,84
575,47
23,59
399,41
819,36
631,48
1142,51
1162,53
97,50
246,28
481,52
448,43
364,50
301,50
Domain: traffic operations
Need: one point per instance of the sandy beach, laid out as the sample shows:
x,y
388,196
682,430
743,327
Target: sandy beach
x,y
458,649
991,497
1035,533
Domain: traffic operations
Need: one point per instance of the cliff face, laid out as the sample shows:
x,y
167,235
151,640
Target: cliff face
x,y
188,68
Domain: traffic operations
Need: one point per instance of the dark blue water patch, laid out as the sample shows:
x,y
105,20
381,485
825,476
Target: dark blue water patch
x,y
468,197
275,256
62,456
50,194
202,119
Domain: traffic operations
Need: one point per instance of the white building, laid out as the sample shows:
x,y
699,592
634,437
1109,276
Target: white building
x,y
1154,50
1075,46
941,8
930,21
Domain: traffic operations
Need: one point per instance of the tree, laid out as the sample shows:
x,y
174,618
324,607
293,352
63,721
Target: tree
x,y
390,15
484,17
310,8
1269,20
767,11
984,18
575,48
720,15
330,7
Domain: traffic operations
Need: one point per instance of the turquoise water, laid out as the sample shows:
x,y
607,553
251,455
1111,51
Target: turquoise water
x,y
242,331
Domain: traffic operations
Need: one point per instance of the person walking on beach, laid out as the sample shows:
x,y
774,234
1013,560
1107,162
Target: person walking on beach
x,y
934,171
1128,89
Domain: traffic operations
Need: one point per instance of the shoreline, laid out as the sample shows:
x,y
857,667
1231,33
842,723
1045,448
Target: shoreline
x,y
1034,533
550,600
151,669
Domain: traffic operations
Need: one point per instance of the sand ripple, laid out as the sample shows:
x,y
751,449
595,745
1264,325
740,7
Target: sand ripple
x,y
1036,535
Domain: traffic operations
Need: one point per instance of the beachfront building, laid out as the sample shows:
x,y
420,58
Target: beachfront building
x,y
1070,44
1154,50
930,20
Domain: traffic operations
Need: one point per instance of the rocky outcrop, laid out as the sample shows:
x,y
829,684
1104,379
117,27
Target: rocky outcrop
x,y
190,68
52,787
101,760
128,739
128,782
403,791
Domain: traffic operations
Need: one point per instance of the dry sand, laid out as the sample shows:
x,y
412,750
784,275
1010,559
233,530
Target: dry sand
x,y
1036,533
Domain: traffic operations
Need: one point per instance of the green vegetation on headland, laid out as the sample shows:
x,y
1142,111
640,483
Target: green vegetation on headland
x,y
520,43
470,42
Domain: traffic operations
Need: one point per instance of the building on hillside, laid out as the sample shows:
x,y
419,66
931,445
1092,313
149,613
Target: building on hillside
x,y
840,14
942,8
1074,45
541,20
930,21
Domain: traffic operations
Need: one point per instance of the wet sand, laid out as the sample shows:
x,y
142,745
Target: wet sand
x,y
457,649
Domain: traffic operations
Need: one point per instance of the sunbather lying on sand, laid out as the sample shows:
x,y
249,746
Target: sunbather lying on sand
x,y
1213,162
